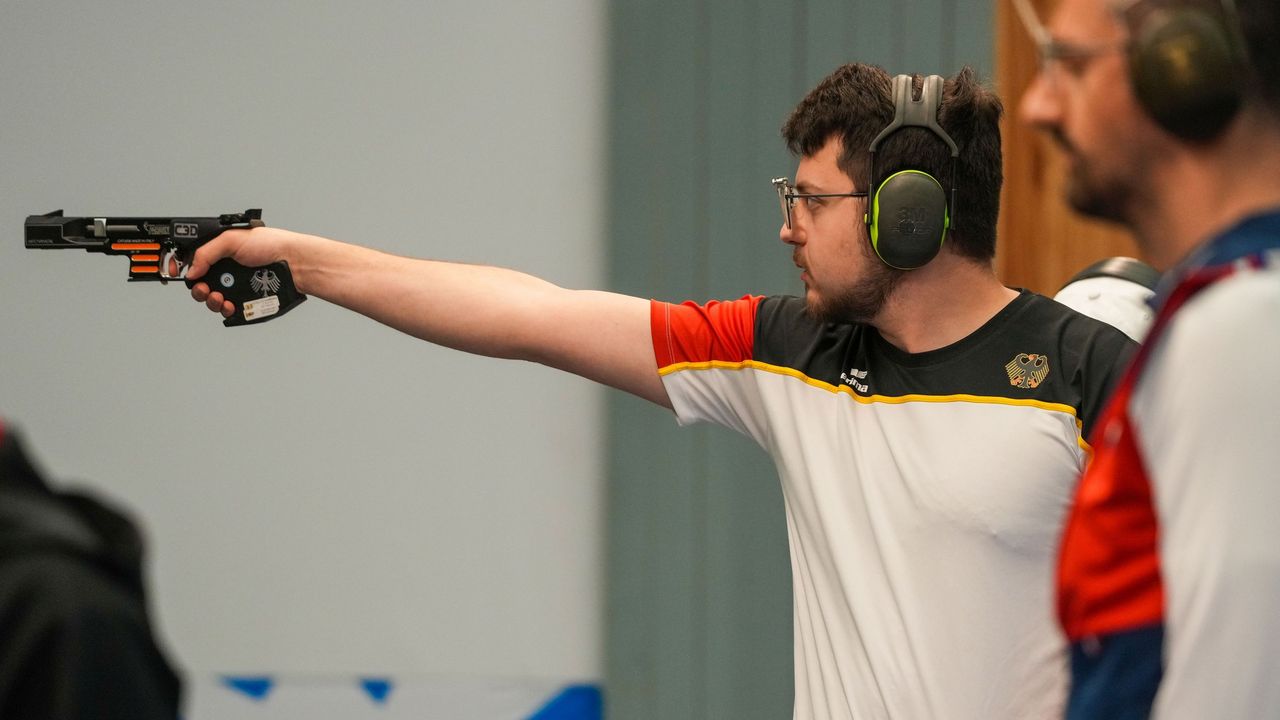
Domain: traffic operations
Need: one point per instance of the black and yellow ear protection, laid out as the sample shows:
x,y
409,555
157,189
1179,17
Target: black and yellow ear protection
x,y
1187,65
910,211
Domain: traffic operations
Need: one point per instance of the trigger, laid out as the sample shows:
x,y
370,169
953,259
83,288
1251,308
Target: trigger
x,y
172,259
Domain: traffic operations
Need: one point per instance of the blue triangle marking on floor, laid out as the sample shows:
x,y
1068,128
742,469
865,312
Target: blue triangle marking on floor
x,y
377,688
256,687
576,702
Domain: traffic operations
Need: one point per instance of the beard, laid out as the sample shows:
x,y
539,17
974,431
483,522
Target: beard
x,y
1096,197
860,303
1091,190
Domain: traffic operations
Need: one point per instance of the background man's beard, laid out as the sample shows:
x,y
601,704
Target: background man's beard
x,y
1088,196
860,303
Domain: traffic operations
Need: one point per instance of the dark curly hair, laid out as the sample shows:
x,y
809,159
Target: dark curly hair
x,y
855,103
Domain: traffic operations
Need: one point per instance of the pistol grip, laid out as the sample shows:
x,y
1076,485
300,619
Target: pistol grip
x,y
259,293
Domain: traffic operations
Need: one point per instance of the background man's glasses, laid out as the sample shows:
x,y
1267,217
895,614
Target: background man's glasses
x,y
1059,55
787,197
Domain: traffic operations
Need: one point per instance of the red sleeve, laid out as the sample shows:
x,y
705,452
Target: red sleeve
x,y
690,332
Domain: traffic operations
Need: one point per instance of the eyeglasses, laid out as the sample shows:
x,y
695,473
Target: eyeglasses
x,y
787,197
1058,55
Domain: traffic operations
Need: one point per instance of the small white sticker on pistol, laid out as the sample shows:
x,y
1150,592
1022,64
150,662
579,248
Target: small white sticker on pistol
x,y
266,307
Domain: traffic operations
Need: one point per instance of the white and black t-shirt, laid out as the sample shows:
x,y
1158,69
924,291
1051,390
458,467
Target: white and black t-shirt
x,y
924,492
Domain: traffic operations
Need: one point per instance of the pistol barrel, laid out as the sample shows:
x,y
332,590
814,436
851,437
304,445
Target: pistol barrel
x,y
52,230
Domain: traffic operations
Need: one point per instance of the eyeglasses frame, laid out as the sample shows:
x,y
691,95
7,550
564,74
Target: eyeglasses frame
x,y
787,196
1051,52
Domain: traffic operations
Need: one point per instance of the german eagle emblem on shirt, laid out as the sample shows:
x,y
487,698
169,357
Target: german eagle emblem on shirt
x,y
1027,371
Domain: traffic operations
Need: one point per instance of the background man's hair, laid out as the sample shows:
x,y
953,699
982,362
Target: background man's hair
x,y
1260,22
856,102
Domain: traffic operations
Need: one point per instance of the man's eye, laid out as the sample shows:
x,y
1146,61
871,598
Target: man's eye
x,y
1072,58
1074,65
813,203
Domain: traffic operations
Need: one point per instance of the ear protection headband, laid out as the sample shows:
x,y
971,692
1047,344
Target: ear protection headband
x,y
1124,268
1186,65
1116,291
910,211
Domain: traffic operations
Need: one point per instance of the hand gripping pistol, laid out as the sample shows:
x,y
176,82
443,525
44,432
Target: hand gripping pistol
x,y
160,249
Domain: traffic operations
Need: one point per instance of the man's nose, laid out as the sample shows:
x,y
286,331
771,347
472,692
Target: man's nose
x,y
1040,106
792,235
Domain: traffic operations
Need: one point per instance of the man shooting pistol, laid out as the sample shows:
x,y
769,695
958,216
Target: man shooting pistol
x,y
160,249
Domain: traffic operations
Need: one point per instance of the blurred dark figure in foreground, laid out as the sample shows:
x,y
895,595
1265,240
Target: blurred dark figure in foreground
x,y
75,638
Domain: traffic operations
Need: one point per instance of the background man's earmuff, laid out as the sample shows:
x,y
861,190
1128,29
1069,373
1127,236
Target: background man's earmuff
x,y
1116,291
910,212
1187,65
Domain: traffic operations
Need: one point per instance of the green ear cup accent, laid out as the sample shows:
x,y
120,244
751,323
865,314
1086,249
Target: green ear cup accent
x,y
918,208
910,219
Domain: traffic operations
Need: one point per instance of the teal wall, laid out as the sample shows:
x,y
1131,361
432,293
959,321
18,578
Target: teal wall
x,y
698,583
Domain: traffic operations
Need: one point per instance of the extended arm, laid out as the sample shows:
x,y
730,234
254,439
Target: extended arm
x,y
478,309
